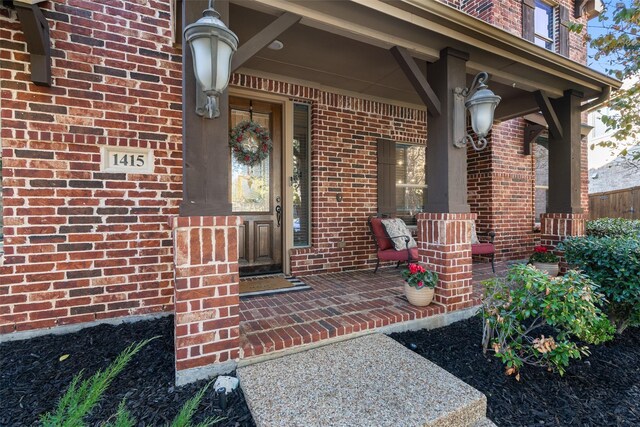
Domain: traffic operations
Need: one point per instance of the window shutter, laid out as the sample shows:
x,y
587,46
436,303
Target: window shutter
x,y
528,13
563,32
386,177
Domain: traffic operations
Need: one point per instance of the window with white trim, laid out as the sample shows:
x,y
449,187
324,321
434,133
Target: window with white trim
x,y
411,187
544,27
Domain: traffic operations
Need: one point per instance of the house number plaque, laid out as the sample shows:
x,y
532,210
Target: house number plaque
x,y
124,159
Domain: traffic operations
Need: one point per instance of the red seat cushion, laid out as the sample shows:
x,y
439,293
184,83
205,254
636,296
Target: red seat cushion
x,y
384,242
393,255
482,249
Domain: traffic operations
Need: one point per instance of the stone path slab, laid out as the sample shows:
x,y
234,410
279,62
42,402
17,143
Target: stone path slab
x,y
367,381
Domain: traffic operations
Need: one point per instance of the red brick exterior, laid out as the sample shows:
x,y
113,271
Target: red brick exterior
x,y
343,160
501,190
557,226
82,245
206,291
445,246
507,15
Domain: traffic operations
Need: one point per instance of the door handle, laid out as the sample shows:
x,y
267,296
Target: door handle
x,y
279,215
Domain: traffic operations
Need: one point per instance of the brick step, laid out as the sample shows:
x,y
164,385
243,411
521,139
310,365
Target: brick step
x,y
370,380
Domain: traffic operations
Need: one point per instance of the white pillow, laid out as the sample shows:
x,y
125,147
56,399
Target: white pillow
x,y
397,230
474,235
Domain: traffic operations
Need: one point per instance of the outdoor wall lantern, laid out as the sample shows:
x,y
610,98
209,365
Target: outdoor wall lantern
x,y
212,46
481,103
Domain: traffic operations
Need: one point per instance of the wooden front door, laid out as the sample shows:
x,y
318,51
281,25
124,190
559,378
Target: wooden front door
x,y
256,192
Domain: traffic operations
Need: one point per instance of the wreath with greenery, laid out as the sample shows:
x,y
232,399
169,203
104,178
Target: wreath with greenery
x,y
250,142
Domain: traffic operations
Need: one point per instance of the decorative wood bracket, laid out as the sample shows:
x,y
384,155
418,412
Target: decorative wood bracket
x,y
36,33
549,114
417,79
531,132
263,39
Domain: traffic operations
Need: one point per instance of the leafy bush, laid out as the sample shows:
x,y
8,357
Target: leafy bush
x,y
613,227
614,264
81,397
517,306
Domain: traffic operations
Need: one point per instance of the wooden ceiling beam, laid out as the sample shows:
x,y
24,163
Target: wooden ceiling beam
x,y
516,106
555,127
265,37
417,80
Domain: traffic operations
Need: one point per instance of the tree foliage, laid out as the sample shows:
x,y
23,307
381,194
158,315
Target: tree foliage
x,y
619,47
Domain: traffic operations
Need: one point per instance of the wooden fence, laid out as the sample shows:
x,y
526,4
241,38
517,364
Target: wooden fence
x,y
615,204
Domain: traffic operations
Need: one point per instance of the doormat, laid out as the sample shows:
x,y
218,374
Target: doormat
x,y
270,285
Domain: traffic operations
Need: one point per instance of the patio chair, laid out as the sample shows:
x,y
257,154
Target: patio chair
x,y
385,249
483,248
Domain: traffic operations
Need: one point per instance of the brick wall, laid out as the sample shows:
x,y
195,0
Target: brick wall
x,y
482,9
81,244
343,158
501,190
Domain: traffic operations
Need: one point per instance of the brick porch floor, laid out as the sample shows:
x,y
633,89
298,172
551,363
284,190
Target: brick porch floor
x,y
339,304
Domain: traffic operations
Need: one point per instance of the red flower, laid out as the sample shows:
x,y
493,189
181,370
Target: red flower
x,y
420,284
416,268
540,249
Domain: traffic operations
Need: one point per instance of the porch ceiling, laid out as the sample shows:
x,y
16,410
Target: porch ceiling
x,y
322,58
345,45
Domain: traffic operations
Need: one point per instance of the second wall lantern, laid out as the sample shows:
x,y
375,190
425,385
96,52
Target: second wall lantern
x,y
481,104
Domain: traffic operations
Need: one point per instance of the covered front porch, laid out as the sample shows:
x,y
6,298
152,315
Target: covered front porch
x,y
370,76
340,304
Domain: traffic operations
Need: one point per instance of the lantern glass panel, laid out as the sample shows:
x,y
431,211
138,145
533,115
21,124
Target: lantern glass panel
x,y
482,117
224,65
201,48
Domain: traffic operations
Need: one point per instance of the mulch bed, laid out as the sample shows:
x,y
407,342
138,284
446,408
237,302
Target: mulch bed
x,y
32,378
600,390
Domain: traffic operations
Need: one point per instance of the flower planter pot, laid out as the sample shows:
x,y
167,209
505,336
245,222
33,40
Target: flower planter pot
x,y
549,268
418,297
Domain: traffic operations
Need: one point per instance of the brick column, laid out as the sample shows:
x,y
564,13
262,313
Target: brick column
x,y
445,246
555,227
206,296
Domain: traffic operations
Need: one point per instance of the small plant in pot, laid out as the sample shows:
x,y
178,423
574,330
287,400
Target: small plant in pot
x,y
418,284
545,260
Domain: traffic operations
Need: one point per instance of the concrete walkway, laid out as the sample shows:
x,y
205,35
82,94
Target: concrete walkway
x,y
366,381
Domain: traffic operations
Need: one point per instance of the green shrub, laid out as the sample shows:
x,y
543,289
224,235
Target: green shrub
x,y
613,227
82,396
518,305
614,264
